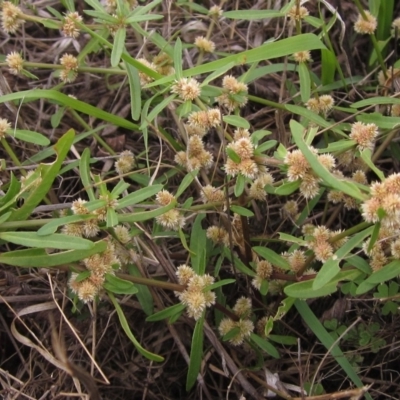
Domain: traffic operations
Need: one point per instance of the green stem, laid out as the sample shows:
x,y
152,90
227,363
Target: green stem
x,y
12,155
95,134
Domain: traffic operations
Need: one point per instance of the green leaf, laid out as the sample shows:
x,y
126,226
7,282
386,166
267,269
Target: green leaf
x,y
145,215
118,47
143,292
156,111
386,273
56,117
29,136
54,241
119,188
220,283
186,181
67,101
366,155
331,267
265,146
119,286
239,185
292,239
84,172
135,91
242,211
233,155
236,120
183,240
128,332
264,52
272,257
305,82
305,289
250,15
347,187
111,218
287,188
238,263
328,61
166,313
10,197
48,172
198,241
138,196
312,116
30,258
282,339
339,146
196,354
178,59
326,339
52,226
265,345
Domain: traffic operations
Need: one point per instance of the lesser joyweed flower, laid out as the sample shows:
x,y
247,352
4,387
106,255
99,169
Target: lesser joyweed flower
x,y
10,17
367,25
195,297
4,125
125,162
242,309
187,89
70,28
204,44
364,135
70,71
14,62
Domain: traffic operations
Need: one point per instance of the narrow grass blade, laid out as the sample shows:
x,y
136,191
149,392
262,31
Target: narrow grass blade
x,y
67,101
198,246
135,91
54,241
138,196
52,226
326,339
128,332
48,173
196,354
39,258
84,172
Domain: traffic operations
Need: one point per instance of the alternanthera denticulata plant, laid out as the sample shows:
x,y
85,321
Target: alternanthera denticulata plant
x,y
211,213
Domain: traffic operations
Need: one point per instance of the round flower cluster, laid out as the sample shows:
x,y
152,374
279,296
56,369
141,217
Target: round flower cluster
x,y
349,202
244,149
14,62
204,44
322,104
195,297
319,239
299,168
99,265
171,219
195,156
218,235
125,162
210,194
10,17
70,27
297,13
264,270
364,135
245,325
234,93
70,71
366,25
187,89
